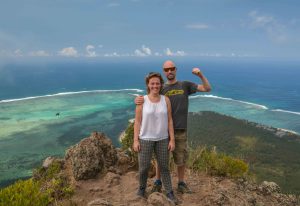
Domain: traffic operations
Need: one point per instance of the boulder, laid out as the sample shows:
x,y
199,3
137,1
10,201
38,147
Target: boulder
x,y
91,156
158,199
267,188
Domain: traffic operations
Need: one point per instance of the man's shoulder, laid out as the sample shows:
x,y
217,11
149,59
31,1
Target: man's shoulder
x,y
186,82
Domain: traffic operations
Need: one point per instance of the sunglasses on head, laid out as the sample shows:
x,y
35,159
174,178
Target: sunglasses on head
x,y
169,69
151,74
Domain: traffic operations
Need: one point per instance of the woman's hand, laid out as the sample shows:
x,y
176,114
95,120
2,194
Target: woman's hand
x,y
136,146
171,145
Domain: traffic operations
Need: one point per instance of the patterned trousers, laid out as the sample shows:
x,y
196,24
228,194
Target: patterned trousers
x,y
162,157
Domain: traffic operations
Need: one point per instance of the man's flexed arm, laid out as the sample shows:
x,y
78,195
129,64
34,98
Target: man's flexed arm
x,y
205,87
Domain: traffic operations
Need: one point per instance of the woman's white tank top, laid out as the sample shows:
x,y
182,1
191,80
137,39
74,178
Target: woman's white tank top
x,y
154,125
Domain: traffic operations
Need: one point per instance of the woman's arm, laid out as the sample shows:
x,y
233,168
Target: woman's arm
x,y
171,146
137,127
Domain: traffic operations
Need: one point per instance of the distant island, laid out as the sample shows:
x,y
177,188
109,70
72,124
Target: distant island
x,y
272,153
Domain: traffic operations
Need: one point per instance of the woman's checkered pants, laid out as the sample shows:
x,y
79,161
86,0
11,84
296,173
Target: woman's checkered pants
x,y
162,157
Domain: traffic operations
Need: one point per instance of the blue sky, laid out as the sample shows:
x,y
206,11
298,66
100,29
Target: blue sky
x,y
141,29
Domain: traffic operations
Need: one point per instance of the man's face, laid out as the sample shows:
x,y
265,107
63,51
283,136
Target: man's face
x,y
170,72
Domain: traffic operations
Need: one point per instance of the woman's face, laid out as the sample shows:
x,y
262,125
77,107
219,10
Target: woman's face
x,y
154,85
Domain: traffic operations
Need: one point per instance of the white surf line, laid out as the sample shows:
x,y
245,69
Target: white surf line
x,y
287,130
69,93
136,95
230,99
285,111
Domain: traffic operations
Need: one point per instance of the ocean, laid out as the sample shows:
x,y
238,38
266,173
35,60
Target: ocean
x,y
99,96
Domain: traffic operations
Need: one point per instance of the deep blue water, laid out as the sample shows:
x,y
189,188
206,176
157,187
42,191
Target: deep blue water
x,y
273,84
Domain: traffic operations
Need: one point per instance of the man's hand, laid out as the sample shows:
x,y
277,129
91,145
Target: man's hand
x,y
136,146
139,100
171,145
197,72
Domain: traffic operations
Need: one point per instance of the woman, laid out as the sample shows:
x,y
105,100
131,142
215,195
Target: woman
x,y
153,130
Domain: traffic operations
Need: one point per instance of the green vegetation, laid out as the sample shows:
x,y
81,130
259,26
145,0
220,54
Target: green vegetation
x,y
24,193
270,157
127,139
46,186
213,163
127,142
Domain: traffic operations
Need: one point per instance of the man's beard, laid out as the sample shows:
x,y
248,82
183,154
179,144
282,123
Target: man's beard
x,y
171,77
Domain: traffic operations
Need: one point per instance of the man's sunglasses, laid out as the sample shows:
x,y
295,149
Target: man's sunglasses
x,y
169,69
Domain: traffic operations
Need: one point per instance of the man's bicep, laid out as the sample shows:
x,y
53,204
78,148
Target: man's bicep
x,y
201,88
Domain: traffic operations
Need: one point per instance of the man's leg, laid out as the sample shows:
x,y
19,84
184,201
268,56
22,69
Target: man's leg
x,y
157,169
180,172
180,155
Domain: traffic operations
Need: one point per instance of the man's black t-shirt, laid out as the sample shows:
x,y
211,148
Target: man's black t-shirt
x,y
178,94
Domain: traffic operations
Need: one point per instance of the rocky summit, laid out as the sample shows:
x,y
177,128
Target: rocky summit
x,y
102,175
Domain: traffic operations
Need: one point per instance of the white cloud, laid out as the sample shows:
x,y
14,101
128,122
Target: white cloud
x,y
18,53
145,51
197,26
90,51
113,5
274,29
139,53
114,54
168,52
39,53
69,52
260,21
233,55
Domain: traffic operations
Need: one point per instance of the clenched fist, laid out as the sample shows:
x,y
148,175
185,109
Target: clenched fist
x,y
197,72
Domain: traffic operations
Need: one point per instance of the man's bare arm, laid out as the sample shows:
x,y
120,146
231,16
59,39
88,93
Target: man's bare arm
x,y
139,100
205,87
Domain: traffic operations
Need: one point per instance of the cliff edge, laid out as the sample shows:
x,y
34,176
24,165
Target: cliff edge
x,y
101,174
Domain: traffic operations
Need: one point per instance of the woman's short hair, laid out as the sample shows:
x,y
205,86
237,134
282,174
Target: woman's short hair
x,y
151,75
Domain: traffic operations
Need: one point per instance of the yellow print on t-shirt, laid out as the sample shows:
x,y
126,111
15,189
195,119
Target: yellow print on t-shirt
x,y
174,92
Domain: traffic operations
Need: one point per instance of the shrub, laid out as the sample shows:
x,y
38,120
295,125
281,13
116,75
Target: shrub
x,y
24,193
53,181
202,159
46,186
127,139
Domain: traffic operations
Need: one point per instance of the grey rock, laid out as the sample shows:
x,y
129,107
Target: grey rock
x,y
112,179
91,156
267,188
158,199
47,162
99,202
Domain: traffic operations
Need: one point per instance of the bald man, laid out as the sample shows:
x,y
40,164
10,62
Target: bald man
x,y
178,92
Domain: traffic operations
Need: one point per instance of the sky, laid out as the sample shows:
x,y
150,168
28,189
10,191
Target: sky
x,y
149,28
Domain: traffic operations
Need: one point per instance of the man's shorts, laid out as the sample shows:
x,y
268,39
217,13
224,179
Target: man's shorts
x,y
180,154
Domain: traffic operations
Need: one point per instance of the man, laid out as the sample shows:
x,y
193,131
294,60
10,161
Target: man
x,y
178,92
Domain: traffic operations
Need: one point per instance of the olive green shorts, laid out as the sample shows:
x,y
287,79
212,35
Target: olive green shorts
x,y
180,154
